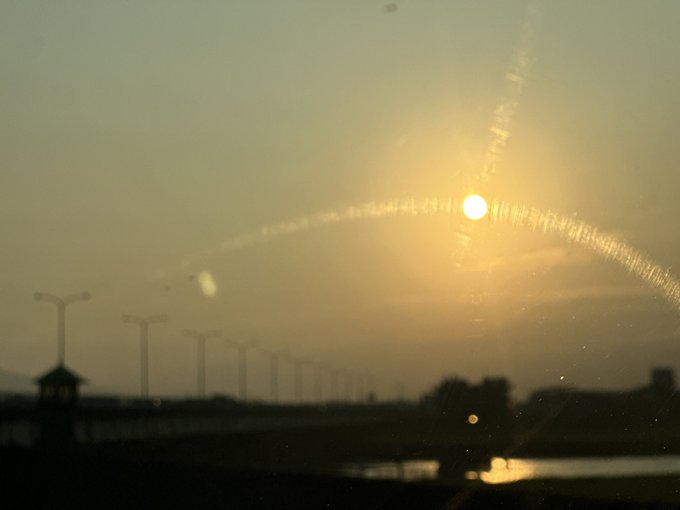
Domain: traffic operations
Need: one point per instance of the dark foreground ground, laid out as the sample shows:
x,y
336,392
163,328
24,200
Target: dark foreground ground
x,y
83,479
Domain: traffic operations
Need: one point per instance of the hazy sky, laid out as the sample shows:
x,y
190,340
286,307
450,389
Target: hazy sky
x,y
136,135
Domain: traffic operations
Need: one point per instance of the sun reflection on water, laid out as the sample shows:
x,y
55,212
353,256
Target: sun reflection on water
x,y
507,471
513,470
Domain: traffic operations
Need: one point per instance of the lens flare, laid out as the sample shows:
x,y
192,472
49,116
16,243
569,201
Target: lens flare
x,y
475,207
207,283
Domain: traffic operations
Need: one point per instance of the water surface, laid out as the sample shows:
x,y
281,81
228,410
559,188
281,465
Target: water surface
x,y
512,470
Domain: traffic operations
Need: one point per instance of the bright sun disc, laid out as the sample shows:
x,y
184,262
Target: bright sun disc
x,y
475,207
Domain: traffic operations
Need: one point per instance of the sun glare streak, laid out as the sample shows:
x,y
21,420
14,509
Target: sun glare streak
x,y
547,222
370,210
586,235
507,107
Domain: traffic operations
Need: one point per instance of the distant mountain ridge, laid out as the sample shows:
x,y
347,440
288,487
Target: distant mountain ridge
x,y
12,382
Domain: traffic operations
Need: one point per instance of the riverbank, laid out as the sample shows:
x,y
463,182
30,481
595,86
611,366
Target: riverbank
x,y
59,479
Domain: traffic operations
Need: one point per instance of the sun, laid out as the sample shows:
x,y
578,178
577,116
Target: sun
x,y
475,207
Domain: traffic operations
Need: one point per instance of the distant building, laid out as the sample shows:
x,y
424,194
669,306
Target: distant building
x,y
651,404
457,400
663,380
57,404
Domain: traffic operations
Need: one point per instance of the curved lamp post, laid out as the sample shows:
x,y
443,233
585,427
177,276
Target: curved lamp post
x,y
299,364
143,323
201,337
242,348
274,357
319,369
61,303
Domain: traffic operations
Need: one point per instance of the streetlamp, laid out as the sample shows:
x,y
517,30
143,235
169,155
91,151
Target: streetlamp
x,y
143,323
274,357
335,375
61,303
349,385
361,387
371,387
299,363
318,381
201,336
242,348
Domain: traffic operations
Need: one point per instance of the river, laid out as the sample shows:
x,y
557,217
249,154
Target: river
x,y
515,469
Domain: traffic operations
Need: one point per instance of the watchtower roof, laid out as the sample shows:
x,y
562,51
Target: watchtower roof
x,y
60,375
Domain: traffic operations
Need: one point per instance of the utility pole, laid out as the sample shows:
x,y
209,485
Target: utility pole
x,y
61,303
201,337
144,323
